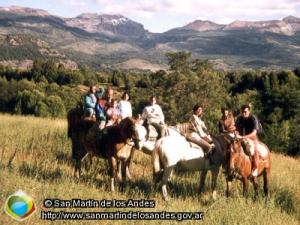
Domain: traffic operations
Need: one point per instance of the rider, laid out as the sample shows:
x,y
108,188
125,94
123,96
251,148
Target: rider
x,y
247,127
226,123
198,133
113,113
101,112
109,96
153,115
90,102
125,106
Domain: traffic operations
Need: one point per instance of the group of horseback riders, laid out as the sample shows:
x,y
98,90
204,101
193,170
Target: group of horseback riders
x,y
102,107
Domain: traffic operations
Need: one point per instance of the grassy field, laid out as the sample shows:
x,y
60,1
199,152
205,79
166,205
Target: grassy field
x,y
35,157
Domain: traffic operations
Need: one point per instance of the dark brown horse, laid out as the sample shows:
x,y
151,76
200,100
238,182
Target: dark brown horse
x,y
111,144
240,167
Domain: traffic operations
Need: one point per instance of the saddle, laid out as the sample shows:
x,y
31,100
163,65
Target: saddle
x,y
152,135
249,147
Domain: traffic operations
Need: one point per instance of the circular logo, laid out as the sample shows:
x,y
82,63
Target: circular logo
x,y
19,206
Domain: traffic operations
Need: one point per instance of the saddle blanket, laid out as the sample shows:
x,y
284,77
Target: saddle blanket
x,y
261,147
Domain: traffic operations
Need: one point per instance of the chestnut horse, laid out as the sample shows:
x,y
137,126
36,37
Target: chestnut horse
x,y
240,166
111,144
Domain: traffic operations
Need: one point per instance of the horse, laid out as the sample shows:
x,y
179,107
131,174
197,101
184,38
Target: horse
x,y
170,151
240,166
113,144
147,145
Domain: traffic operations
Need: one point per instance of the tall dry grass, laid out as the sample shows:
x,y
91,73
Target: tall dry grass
x,y
35,157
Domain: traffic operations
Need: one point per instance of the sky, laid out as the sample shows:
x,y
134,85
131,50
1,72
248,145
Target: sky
x,y
162,15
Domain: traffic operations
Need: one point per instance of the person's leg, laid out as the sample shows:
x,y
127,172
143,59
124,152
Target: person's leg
x,y
159,129
255,163
202,143
255,159
87,112
146,125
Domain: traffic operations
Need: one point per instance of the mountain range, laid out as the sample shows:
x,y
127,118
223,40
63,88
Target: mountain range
x,y
109,41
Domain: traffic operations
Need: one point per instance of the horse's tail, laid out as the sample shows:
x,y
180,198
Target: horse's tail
x,y
156,161
70,123
73,118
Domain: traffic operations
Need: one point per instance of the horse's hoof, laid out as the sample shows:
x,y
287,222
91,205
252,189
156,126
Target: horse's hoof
x,y
166,199
214,195
203,193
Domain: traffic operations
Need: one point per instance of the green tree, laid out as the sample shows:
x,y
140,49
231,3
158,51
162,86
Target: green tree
x,y
179,61
50,71
37,69
55,105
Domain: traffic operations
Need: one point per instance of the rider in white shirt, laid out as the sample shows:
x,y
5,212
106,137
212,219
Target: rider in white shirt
x,y
198,131
125,106
153,115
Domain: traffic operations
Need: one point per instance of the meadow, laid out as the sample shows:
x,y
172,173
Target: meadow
x,y
35,156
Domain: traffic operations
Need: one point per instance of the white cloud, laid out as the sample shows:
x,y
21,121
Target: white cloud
x,y
74,3
212,8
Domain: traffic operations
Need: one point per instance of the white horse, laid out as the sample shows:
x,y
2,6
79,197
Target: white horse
x,y
147,145
170,151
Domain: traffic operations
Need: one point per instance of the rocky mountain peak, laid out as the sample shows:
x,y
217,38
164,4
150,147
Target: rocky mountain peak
x,y
24,10
274,26
291,19
203,25
110,24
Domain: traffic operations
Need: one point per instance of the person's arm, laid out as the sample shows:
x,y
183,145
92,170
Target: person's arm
x,y
161,115
89,102
109,113
130,109
251,135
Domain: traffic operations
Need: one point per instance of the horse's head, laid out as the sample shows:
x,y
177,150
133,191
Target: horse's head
x,y
126,127
235,153
140,134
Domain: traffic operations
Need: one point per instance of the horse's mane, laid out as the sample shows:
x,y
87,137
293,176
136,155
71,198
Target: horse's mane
x,y
125,127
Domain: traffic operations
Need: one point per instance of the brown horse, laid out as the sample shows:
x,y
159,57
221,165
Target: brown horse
x,y
240,167
111,144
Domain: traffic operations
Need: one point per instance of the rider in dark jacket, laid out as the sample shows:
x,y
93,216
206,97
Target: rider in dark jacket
x,y
247,127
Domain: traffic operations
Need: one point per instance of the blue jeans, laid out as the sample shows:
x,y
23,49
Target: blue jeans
x,y
89,112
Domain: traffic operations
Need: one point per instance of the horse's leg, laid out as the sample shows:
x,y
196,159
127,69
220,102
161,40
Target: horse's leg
x,y
123,173
128,164
266,176
171,175
165,178
255,185
202,181
90,156
112,166
245,185
119,174
87,155
77,168
214,179
228,186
